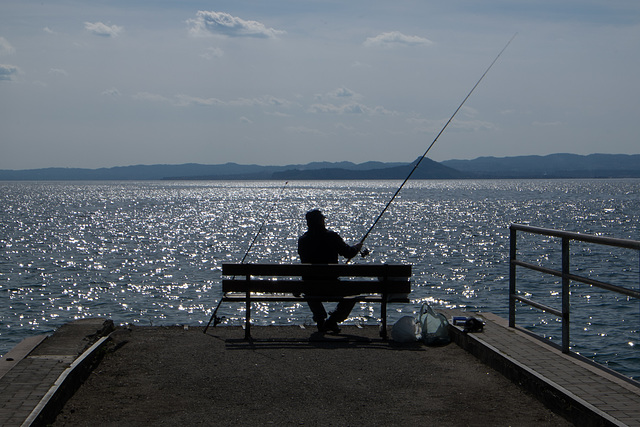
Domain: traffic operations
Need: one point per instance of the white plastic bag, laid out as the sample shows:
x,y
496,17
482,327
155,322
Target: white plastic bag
x,y
435,327
406,329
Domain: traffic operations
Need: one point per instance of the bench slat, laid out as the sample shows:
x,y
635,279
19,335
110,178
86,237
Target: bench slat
x,y
331,287
241,297
335,270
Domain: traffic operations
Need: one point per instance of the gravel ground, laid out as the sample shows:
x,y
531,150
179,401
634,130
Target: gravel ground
x,y
291,376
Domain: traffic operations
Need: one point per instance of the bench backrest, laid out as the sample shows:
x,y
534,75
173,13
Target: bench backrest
x,y
339,270
335,279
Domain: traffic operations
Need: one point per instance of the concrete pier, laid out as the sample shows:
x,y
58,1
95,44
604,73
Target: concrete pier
x,y
84,374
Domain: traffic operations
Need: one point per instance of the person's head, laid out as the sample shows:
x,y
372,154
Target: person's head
x,y
315,219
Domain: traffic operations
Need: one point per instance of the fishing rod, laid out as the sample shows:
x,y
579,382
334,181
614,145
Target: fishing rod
x,y
213,316
264,222
434,141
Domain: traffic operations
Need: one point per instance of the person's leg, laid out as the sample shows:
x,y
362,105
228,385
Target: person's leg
x,y
319,313
340,314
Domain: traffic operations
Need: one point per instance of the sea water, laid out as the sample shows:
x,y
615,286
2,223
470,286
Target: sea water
x,y
150,253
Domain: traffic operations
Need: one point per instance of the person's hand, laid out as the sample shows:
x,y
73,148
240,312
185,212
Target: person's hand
x,y
363,252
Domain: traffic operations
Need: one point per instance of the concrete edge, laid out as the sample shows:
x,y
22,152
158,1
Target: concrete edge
x,y
554,396
66,384
19,352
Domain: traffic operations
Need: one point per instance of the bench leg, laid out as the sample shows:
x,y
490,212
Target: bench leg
x,y
383,314
247,327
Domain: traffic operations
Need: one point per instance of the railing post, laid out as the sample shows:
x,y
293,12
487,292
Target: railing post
x,y
565,295
247,328
512,277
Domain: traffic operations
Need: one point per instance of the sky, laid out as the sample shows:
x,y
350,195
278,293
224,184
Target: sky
x,y
125,82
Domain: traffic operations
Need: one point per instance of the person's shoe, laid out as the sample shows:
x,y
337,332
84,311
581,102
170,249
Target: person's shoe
x,y
321,326
331,326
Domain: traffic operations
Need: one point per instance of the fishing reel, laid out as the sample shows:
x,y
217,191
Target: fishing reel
x,y
364,252
217,320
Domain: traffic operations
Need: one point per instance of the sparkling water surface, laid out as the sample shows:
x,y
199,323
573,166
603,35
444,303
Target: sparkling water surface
x,y
150,253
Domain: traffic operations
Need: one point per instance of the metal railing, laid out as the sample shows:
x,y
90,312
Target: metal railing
x,y
565,272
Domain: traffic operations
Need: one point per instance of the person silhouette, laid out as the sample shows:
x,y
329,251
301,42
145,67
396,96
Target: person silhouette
x,y
321,246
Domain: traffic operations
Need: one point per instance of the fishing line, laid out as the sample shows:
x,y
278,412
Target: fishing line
x,y
434,141
255,238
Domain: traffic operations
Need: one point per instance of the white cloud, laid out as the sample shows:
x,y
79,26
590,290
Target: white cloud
x,y
59,71
146,96
182,100
5,47
210,22
394,38
7,72
343,92
185,100
343,126
111,92
278,114
473,125
265,101
48,30
339,109
358,64
469,111
303,130
352,108
103,30
434,126
212,53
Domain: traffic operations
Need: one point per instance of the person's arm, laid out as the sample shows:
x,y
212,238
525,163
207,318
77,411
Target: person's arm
x,y
345,250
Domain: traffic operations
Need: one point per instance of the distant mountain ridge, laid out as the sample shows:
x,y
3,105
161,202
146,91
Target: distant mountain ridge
x,y
559,165
233,171
428,169
551,166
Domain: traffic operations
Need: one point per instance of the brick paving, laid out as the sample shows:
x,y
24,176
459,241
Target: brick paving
x,y
600,396
24,386
606,396
30,371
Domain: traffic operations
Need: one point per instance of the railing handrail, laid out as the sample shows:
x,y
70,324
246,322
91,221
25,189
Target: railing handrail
x,y
602,285
565,273
589,238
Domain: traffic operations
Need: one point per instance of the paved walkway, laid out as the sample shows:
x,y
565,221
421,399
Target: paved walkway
x,y
568,384
39,374
36,374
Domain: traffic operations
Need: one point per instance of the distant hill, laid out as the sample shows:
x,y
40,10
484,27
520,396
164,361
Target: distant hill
x,y
138,172
191,171
551,166
428,169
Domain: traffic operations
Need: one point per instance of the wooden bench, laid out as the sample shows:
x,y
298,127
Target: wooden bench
x,y
375,283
